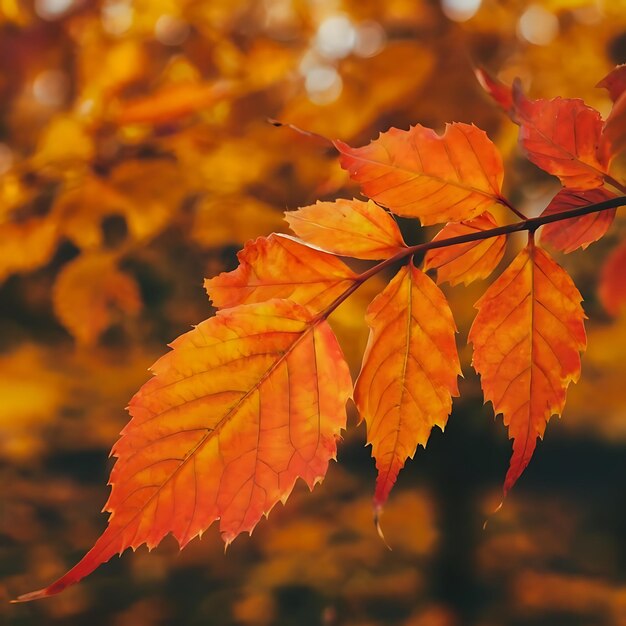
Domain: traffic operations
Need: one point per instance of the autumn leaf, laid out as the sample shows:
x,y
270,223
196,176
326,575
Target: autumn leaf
x,y
244,405
26,245
562,136
87,293
612,289
354,228
418,173
280,267
173,102
409,372
500,92
466,262
615,126
615,82
578,232
527,338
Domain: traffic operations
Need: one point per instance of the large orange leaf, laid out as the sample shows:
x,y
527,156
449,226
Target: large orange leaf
x,y
612,290
527,338
362,230
418,173
562,136
466,262
409,372
577,232
279,267
244,405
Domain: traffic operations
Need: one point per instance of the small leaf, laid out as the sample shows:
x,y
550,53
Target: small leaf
x,y
527,337
409,372
466,262
354,228
612,290
88,291
280,267
417,173
577,232
244,405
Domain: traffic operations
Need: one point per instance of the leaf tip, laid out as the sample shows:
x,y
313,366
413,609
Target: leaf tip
x,y
378,509
33,595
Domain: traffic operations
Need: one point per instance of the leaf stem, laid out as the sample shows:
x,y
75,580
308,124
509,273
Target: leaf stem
x,y
508,205
615,183
529,224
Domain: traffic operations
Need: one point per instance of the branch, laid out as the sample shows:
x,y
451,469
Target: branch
x,y
530,224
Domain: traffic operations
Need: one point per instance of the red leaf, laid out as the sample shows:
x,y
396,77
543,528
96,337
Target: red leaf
x,y
500,92
561,136
564,138
577,232
615,82
612,290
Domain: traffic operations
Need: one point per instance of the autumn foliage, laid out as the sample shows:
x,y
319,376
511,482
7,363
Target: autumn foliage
x,y
254,398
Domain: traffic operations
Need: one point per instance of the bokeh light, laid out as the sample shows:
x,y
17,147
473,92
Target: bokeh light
x,y
460,10
538,26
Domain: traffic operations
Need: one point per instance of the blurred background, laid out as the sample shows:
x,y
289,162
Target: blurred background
x,y
136,159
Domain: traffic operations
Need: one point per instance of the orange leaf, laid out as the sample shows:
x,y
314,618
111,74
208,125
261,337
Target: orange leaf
x,y
417,173
612,290
615,82
87,292
244,405
578,232
173,102
362,230
409,372
561,136
280,267
466,262
527,338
